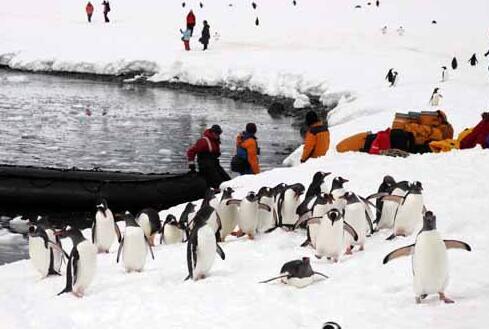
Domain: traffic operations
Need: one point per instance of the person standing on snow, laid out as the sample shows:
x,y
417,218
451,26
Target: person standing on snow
x,y
106,5
89,11
207,150
247,151
316,140
473,60
186,35
206,35
191,22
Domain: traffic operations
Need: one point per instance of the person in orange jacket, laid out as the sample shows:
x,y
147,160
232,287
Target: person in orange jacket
x,y
89,11
247,149
316,140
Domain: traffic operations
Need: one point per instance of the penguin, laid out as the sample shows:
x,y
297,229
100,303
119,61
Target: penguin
x,y
202,245
454,63
41,251
435,98
430,260
444,74
172,231
386,186
473,60
386,209
214,220
316,187
356,216
277,191
253,4
390,76
400,31
104,228
410,211
294,3
134,246
321,206
150,222
330,240
267,220
201,5
82,262
288,202
248,214
257,21
297,273
228,214
186,216
337,190
55,243
183,4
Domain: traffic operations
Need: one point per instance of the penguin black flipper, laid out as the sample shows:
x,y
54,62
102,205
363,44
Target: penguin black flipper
x,y
51,263
162,233
189,260
69,274
219,227
453,244
279,207
76,257
275,278
308,239
233,202
391,237
117,232
321,274
401,252
270,230
348,228
264,207
220,252
93,232
149,247
369,221
121,244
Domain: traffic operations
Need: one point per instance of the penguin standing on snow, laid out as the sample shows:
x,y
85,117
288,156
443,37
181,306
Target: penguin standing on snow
x,y
172,231
454,63
313,191
202,245
104,228
82,263
187,215
134,246
228,214
214,220
391,77
253,4
430,260
297,273
444,74
386,186
473,60
322,204
150,222
248,214
257,21
435,98
355,215
267,220
338,190
41,251
55,243
277,191
287,205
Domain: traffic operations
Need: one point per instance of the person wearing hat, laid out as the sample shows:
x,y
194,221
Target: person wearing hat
x,y
316,140
247,150
207,150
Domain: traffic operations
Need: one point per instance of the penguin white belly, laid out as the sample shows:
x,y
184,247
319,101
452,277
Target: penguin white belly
x,y
389,209
248,217
355,217
289,208
86,266
39,255
57,254
206,251
213,221
143,222
172,235
134,250
299,282
104,233
266,220
229,219
409,215
330,239
430,264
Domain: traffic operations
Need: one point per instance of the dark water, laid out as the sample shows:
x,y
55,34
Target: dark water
x,y
44,122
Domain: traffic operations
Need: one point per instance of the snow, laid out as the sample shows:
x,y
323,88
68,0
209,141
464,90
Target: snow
x,y
324,48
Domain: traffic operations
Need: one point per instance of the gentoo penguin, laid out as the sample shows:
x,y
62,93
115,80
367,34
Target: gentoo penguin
x,y
435,98
149,220
337,190
187,215
386,186
253,4
430,260
294,3
322,204
214,220
444,74
287,205
454,63
314,190
134,246
104,228
172,231
410,211
297,273
82,262
55,243
267,220
257,21
389,207
41,251
330,240
248,214
356,216
202,245
228,214
277,191
473,60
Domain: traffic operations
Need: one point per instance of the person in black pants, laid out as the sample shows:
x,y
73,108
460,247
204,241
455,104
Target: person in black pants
x,y
206,35
106,5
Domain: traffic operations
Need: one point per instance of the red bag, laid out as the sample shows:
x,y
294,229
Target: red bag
x,y
381,142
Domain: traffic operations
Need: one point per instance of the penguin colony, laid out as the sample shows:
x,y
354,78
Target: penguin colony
x,y
337,222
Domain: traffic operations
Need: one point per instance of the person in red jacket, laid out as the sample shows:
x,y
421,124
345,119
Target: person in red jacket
x,y
207,150
479,134
191,22
89,11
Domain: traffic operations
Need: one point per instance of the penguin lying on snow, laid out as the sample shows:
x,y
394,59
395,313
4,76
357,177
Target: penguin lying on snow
x,y
297,273
202,245
104,228
82,262
430,261
43,251
172,231
149,220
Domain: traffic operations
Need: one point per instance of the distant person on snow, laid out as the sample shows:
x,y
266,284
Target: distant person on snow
x,y
454,63
191,22
207,150
316,140
391,77
206,35
377,3
89,11
435,98
247,152
473,60
106,5
186,35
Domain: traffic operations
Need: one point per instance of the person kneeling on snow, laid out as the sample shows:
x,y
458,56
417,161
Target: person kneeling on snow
x,y
246,159
186,35
479,135
316,140
207,150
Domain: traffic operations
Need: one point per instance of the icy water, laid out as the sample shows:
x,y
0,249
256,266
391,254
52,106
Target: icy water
x,y
63,122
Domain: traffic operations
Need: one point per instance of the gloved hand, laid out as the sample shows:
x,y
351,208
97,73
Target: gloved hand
x,y
191,167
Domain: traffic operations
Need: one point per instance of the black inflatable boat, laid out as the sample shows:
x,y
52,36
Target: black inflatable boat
x,y
50,191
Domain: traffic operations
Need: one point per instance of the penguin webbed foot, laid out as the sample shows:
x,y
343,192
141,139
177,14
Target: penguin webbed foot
x,y
445,299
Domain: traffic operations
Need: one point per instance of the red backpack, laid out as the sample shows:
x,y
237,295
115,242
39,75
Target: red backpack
x,y
382,142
